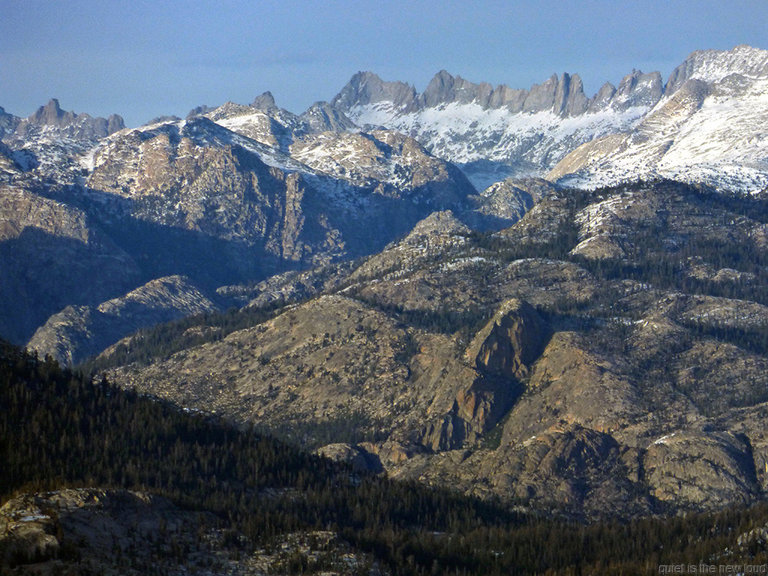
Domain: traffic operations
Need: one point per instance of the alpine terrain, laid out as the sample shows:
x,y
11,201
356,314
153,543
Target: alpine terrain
x,y
489,309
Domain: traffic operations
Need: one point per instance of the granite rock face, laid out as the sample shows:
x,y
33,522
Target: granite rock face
x,y
511,342
366,87
67,123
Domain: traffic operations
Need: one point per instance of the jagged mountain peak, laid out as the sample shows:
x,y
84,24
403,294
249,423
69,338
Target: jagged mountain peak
x,y
492,132
445,88
52,115
563,95
368,88
638,89
714,65
264,101
705,129
496,132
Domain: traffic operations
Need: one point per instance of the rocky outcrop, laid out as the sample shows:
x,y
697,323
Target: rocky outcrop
x,y
355,456
106,531
504,203
446,89
264,101
8,122
71,530
690,468
511,342
638,89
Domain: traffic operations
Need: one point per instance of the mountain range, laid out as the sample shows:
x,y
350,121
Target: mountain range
x,y
684,129
533,295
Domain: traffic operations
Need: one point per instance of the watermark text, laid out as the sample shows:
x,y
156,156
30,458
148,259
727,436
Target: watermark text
x,y
735,569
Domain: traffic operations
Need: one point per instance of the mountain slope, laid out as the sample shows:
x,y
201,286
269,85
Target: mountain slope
x,y
573,361
52,254
188,495
79,332
195,198
707,128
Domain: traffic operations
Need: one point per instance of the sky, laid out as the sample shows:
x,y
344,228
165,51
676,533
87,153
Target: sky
x,y
144,59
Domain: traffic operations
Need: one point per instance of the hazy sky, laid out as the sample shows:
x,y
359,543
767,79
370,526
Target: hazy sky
x,y
143,59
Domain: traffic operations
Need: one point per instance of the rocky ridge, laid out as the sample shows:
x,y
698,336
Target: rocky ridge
x,y
496,132
642,128
54,141
79,332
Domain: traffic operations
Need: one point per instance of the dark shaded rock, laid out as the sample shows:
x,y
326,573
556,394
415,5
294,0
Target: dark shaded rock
x,y
78,332
358,458
264,102
511,342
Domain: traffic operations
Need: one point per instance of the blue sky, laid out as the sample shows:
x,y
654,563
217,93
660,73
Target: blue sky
x,y
143,59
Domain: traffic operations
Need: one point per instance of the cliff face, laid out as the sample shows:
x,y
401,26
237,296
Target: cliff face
x,y
510,343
